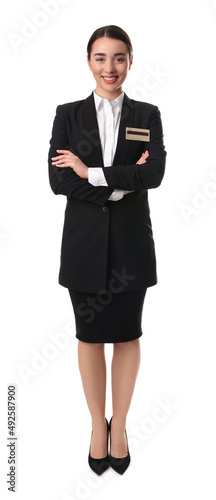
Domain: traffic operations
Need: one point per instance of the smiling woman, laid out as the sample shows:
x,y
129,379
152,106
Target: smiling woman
x,y
107,253
109,58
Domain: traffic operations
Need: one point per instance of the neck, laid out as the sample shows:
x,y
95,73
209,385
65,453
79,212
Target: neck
x,y
110,96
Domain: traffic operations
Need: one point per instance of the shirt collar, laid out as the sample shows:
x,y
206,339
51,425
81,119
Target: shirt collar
x,y
115,103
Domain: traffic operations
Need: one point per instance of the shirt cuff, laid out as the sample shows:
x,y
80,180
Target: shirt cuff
x,y
116,195
96,177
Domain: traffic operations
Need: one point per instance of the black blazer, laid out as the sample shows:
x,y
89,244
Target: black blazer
x,y
107,244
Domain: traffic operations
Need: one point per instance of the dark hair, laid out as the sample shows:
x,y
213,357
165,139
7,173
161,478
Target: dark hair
x,y
111,32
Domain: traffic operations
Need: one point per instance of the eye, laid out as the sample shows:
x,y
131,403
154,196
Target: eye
x,y
99,59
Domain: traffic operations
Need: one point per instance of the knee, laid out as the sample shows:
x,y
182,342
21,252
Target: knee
x,y
127,345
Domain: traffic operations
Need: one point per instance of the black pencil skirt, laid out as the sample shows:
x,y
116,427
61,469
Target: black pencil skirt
x,y
108,317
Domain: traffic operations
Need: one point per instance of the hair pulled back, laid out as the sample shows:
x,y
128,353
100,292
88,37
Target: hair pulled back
x,y
110,31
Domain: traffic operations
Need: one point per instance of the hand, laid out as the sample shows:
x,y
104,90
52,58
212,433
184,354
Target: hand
x,y
68,159
143,158
139,162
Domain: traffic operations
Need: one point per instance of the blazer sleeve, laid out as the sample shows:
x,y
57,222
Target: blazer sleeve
x,y
150,174
64,180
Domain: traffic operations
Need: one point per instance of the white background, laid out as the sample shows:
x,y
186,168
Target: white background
x,y
174,68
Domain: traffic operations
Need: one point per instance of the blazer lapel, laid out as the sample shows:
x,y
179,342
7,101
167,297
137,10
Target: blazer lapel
x,y
127,120
91,138
90,133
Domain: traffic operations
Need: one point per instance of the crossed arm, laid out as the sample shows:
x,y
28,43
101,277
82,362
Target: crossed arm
x,y
68,159
68,175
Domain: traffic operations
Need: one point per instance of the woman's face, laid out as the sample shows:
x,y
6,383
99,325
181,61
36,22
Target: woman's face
x,y
109,63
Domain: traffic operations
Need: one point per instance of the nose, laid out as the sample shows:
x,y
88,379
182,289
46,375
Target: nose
x,y
109,66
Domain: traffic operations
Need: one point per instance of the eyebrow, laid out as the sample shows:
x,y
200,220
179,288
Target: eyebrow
x,y
102,54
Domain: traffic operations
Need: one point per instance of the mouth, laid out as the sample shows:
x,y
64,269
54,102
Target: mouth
x,y
109,79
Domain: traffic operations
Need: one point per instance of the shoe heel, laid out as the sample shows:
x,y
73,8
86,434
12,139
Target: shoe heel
x,y
119,465
99,465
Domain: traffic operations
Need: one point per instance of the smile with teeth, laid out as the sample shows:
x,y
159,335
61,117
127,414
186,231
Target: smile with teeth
x,y
109,79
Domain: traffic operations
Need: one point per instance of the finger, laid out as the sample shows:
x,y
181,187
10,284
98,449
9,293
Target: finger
x,y
63,151
143,157
141,161
62,160
60,165
59,157
66,152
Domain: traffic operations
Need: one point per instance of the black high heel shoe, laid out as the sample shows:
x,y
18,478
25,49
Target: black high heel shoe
x,y
119,464
99,465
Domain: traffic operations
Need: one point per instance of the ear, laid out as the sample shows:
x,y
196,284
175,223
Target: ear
x,y
130,62
89,64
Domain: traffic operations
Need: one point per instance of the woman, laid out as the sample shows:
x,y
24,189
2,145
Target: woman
x,y
106,151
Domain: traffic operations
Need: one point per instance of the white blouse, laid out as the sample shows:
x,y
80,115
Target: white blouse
x,y
108,116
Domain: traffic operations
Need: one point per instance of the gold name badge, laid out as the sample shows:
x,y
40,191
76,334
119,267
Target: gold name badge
x,y
138,134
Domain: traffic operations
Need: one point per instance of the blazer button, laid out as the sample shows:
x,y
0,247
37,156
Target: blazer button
x,y
105,209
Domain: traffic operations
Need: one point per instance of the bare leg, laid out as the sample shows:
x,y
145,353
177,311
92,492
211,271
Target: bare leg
x,y
125,367
92,366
